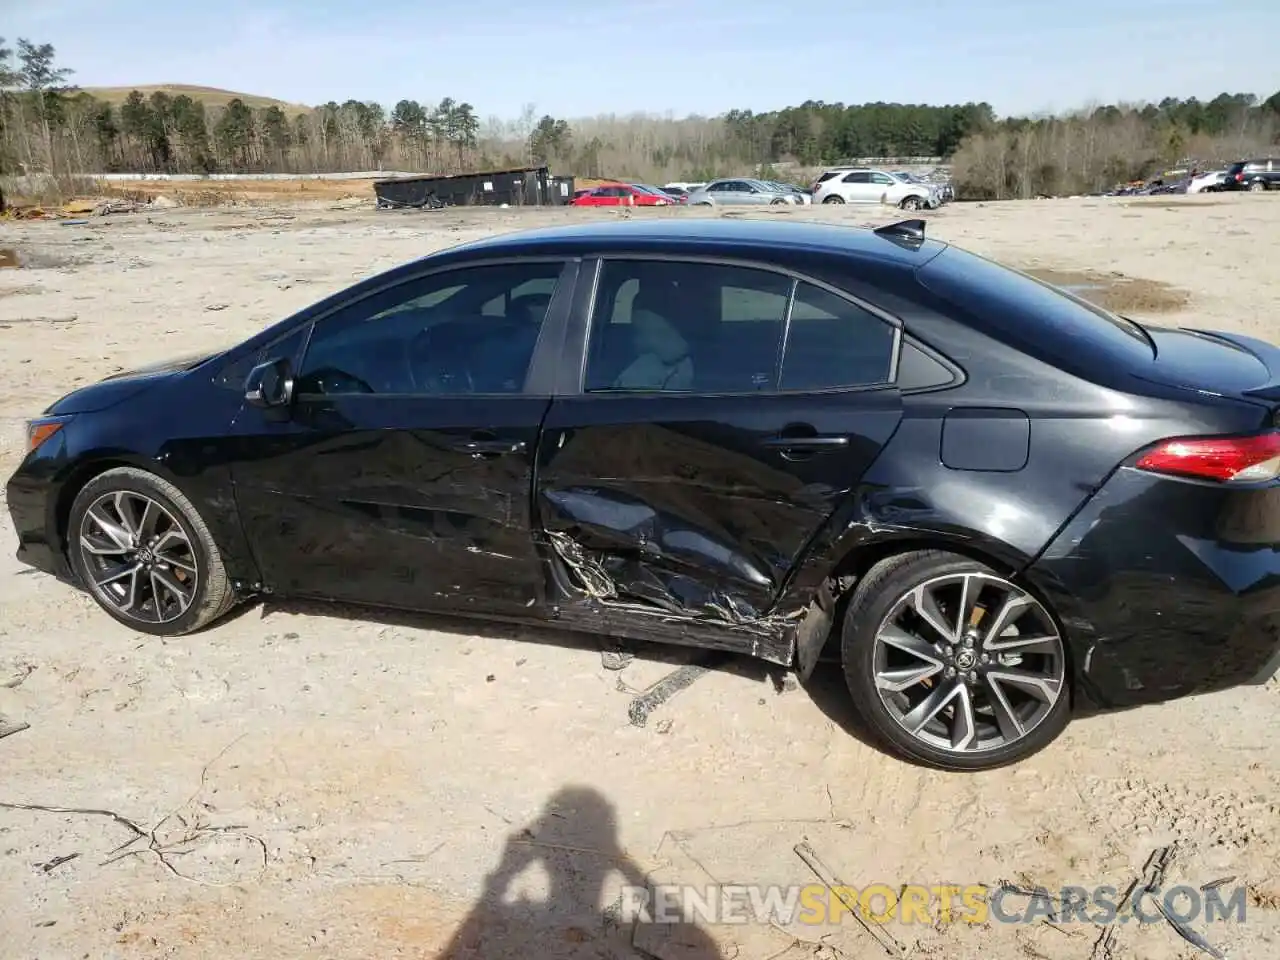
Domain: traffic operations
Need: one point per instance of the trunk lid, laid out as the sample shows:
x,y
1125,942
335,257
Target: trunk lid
x,y
1213,362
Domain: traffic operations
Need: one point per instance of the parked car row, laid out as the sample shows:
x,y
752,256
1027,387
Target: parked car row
x,y
902,189
729,191
1252,175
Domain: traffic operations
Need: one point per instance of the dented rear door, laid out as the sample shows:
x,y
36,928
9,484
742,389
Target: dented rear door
x,y
695,504
701,502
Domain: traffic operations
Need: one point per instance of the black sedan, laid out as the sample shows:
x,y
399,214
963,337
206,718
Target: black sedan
x,y
999,504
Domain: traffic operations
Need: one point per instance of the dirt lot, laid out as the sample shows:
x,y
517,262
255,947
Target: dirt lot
x,y
311,784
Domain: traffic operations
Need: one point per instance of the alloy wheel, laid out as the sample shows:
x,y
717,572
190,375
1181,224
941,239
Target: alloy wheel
x,y
139,559
968,663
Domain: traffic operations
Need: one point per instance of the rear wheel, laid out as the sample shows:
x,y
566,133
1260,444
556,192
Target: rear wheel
x,y
1257,186
833,199
145,555
952,664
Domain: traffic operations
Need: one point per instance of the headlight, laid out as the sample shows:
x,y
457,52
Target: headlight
x,y
41,429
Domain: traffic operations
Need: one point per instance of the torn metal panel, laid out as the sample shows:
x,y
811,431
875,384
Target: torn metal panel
x,y
614,517
626,597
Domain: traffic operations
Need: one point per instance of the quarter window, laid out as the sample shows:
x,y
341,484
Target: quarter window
x,y
681,327
467,331
832,342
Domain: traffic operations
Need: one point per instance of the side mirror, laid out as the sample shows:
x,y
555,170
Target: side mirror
x,y
270,384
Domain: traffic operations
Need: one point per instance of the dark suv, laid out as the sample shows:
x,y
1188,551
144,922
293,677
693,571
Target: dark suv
x,y
1253,175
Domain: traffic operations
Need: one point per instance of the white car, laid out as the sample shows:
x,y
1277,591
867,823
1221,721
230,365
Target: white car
x,y
863,185
1207,182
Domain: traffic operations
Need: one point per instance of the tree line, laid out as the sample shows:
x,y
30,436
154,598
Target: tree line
x,y
48,125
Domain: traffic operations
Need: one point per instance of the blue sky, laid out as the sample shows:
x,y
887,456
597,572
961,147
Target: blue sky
x,y
573,58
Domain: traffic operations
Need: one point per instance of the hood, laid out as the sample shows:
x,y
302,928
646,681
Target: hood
x,y
172,365
120,386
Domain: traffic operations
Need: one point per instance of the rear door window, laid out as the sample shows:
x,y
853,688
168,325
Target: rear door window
x,y
833,343
686,327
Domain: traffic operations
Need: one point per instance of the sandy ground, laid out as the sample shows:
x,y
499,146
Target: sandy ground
x,y
311,784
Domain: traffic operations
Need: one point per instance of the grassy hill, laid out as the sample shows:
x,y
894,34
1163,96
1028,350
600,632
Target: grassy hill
x,y
209,96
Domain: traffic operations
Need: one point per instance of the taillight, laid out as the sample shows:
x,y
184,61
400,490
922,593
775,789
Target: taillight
x,y
1239,178
1227,459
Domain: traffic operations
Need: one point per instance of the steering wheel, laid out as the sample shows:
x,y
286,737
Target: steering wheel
x,y
533,305
437,374
331,380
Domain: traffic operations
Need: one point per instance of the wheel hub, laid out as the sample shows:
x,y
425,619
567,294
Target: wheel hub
x,y
968,662
138,558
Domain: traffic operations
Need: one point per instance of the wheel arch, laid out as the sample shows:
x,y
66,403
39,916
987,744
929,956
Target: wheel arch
x,y
861,558
80,476
227,531
857,559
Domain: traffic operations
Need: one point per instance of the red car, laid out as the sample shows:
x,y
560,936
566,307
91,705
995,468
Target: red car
x,y
623,195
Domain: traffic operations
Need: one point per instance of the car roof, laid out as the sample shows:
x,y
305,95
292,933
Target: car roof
x,y
725,234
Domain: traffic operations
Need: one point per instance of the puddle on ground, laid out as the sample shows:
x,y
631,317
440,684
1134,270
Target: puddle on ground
x,y
1116,292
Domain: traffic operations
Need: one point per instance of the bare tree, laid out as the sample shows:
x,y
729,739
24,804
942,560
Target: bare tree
x,y
44,82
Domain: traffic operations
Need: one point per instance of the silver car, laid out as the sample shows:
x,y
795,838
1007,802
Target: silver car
x,y
738,191
791,190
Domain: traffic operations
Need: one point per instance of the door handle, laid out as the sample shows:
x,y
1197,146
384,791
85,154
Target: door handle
x,y
819,443
491,446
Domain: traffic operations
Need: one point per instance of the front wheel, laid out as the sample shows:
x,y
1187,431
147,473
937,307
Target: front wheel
x,y
833,199
953,665
144,553
910,203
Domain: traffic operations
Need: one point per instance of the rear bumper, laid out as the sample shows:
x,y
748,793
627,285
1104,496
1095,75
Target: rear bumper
x,y
1167,588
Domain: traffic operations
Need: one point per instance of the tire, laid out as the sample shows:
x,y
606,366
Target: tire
x,y
910,203
180,550
777,203
833,199
1257,186
997,737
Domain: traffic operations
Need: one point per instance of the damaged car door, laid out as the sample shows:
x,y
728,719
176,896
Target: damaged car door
x,y
397,470
699,457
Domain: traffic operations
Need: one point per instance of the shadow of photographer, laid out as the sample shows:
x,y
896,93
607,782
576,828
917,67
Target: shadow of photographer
x,y
574,842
